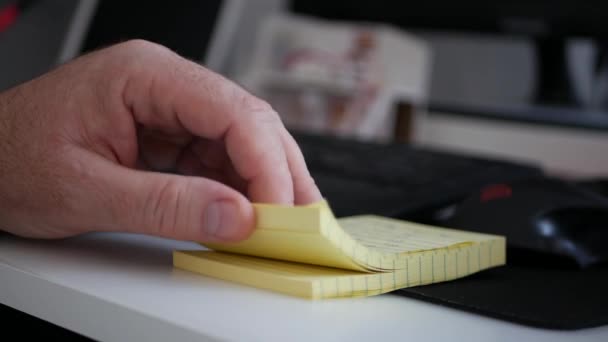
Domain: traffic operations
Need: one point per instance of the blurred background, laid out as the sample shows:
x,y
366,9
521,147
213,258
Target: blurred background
x,y
520,80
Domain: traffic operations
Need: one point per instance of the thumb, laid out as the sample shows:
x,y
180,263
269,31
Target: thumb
x,y
177,207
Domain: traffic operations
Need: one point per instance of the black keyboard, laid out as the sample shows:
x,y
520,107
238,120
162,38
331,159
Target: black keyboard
x,y
398,180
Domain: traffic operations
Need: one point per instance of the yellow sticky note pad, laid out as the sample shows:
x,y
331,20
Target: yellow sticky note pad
x,y
305,251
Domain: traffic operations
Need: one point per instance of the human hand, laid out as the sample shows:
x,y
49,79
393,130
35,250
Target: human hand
x,y
83,148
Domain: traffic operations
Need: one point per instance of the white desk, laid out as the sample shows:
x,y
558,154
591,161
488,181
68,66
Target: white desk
x,y
115,287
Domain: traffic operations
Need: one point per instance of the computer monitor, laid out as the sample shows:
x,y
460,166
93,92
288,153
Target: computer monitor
x,y
198,30
540,18
548,24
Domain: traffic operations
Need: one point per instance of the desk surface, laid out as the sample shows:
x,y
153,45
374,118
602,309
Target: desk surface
x,y
115,287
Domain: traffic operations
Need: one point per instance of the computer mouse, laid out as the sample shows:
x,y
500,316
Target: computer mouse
x,y
549,217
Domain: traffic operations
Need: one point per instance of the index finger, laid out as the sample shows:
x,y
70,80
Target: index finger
x,y
170,93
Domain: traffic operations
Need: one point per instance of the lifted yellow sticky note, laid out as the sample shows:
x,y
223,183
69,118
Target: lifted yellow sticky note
x,y
305,251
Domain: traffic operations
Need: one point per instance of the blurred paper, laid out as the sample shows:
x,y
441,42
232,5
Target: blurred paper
x,y
338,78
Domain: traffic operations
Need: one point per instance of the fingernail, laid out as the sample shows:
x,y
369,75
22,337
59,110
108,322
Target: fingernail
x,y
221,220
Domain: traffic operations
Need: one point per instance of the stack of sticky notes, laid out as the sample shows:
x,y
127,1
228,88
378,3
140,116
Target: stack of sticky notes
x,y
305,251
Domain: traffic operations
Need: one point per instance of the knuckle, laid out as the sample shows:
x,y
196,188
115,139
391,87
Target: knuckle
x,y
114,65
139,46
130,55
257,105
268,116
164,207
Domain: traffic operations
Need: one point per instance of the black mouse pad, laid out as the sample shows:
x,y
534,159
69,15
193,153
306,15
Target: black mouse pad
x,y
549,298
